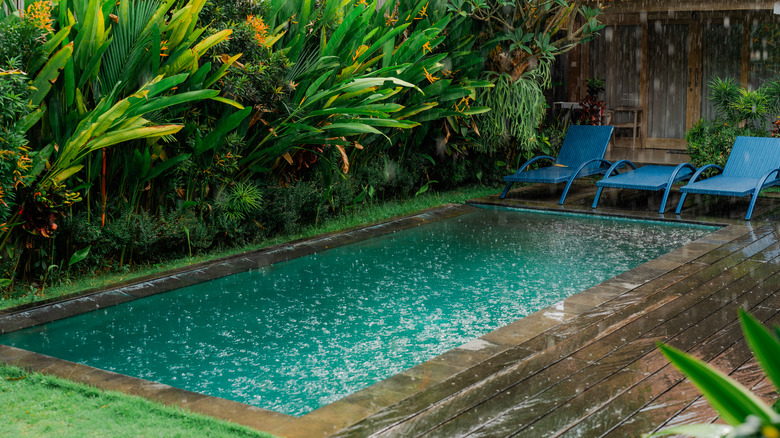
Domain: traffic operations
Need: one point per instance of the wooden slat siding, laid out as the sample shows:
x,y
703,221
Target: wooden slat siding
x,y
753,157
583,143
618,7
597,384
398,422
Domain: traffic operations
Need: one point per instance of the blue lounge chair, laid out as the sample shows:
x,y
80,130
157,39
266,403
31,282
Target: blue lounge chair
x,y
582,154
652,177
752,166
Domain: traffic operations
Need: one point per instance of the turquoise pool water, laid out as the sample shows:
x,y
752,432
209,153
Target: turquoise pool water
x,y
297,335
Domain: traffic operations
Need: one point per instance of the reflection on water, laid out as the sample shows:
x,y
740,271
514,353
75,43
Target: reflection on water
x,y
300,334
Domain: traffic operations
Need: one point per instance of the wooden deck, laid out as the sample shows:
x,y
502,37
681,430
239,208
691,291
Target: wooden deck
x,y
599,373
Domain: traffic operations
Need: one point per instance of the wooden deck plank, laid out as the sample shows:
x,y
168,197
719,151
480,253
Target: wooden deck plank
x,y
617,363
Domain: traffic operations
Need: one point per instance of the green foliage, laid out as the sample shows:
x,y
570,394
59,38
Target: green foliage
x,y
710,142
14,154
242,201
738,105
520,107
746,414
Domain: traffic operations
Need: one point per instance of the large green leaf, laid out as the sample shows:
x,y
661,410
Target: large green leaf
x,y
764,344
49,74
159,103
731,400
350,129
695,431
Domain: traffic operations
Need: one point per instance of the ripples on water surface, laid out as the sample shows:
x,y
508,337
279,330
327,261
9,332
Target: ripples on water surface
x,y
297,335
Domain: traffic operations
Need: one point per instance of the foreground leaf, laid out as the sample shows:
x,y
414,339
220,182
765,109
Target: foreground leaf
x,y
695,430
731,400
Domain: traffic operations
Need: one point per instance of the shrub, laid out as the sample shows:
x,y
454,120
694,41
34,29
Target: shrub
x,y
709,142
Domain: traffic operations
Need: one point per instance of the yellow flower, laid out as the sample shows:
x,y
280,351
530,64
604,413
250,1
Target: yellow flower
x,y
427,46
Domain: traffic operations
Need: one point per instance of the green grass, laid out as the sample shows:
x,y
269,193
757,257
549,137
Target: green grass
x,y
368,214
38,405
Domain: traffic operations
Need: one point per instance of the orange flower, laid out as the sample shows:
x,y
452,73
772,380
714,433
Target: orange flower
x,y
39,14
423,12
427,46
430,77
260,28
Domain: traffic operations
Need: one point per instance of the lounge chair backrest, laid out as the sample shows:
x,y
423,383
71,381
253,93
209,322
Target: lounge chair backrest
x,y
583,143
753,157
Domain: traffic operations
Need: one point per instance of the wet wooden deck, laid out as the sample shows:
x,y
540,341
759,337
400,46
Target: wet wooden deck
x,y
599,373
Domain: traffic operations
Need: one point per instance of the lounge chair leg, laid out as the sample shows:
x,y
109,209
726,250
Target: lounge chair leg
x,y
506,190
596,199
680,204
752,204
565,191
666,198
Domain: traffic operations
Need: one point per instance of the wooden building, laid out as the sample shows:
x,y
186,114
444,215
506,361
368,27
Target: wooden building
x,y
657,57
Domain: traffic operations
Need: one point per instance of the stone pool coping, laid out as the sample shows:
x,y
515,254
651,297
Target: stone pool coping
x,y
355,407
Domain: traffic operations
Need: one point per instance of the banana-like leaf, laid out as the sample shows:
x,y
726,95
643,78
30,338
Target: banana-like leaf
x,y
49,74
159,103
161,84
30,120
112,138
731,400
764,344
64,174
222,71
341,110
227,101
389,123
48,48
350,129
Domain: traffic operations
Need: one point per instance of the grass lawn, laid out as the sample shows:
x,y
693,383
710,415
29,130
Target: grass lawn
x,y
39,405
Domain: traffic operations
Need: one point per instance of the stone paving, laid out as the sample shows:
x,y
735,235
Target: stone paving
x,y
587,366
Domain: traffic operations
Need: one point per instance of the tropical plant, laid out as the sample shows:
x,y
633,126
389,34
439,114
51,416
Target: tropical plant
x,y
350,99
736,104
592,107
106,74
520,40
746,415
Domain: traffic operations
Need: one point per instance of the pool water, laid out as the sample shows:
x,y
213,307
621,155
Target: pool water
x,y
297,335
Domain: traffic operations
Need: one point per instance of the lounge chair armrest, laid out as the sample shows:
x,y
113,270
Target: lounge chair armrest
x,y
617,165
679,169
702,170
605,163
532,161
763,179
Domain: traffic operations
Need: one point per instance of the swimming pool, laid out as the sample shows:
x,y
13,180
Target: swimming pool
x,y
299,334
